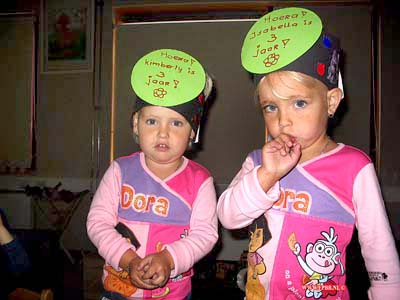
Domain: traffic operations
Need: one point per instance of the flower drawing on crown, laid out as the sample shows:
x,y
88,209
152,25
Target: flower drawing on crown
x,y
271,60
333,68
159,93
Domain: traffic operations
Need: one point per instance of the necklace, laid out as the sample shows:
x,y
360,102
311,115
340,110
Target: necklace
x,y
326,145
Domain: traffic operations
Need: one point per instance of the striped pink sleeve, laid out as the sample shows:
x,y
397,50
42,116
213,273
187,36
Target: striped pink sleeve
x,y
375,236
103,216
244,200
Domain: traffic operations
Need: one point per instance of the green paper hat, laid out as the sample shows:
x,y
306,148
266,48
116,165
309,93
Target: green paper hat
x,y
172,79
292,39
167,77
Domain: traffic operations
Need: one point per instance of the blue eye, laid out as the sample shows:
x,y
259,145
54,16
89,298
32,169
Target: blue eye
x,y
270,108
177,123
150,122
300,103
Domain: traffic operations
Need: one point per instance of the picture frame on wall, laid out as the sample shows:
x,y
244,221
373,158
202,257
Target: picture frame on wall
x,y
67,36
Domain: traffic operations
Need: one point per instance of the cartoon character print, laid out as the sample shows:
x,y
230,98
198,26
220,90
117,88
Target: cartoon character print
x,y
258,237
119,281
164,291
320,260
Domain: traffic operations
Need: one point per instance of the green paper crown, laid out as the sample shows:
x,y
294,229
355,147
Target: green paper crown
x,y
279,38
167,77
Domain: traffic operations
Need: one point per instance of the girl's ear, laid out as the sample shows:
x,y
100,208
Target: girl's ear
x,y
334,96
191,140
135,121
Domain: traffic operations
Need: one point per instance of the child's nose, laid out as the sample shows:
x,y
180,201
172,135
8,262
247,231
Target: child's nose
x,y
284,120
163,130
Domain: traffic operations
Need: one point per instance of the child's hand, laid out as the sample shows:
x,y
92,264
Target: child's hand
x,y
1,222
157,267
136,275
279,156
5,235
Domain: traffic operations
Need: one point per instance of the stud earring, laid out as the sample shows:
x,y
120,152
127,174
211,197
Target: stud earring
x,y
330,116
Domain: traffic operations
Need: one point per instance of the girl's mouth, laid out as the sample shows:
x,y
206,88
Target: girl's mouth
x,y
162,147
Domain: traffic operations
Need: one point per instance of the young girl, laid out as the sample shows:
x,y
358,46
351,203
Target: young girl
x,y
154,213
309,190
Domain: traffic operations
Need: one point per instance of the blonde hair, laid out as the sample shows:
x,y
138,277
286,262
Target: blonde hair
x,y
303,79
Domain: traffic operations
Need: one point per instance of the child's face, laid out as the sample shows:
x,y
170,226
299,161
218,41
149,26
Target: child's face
x,y
163,134
295,109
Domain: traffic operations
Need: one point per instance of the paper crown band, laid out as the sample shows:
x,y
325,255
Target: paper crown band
x,y
192,111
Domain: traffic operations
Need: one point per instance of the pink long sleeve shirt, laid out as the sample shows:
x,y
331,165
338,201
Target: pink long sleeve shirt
x,y
177,213
311,213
